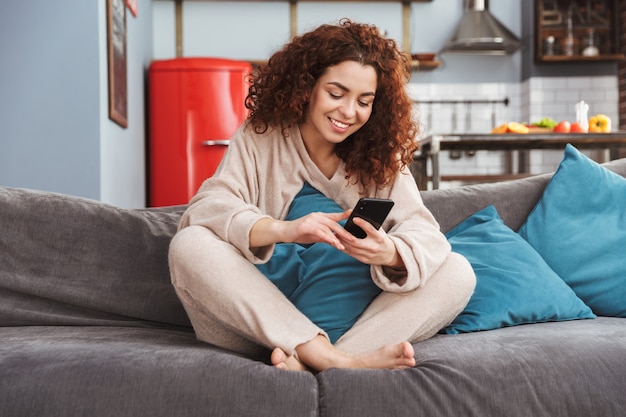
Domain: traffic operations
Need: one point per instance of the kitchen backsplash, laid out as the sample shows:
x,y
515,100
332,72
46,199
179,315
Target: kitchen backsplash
x,y
528,101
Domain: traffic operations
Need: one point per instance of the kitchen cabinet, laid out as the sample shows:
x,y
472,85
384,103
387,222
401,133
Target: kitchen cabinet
x,y
577,30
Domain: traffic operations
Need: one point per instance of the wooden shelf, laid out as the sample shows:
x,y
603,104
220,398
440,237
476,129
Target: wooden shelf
x,y
256,63
425,65
581,58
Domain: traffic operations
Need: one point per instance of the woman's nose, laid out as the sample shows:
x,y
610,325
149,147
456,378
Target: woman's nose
x,y
348,109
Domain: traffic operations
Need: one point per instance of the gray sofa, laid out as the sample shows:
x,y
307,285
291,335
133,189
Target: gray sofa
x,y
90,326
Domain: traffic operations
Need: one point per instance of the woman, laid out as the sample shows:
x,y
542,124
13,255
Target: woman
x,y
328,113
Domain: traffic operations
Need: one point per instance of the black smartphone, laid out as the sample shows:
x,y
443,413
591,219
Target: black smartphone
x,y
373,210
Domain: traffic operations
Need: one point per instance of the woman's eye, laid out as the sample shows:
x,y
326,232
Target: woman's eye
x,y
335,95
364,103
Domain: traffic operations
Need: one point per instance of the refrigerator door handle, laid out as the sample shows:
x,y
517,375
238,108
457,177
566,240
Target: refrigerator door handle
x,y
218,142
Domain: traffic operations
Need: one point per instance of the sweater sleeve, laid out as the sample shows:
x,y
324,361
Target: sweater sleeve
x,y
417,236
227,203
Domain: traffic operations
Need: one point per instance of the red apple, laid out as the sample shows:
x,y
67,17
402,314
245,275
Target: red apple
x,y
562,127
577,128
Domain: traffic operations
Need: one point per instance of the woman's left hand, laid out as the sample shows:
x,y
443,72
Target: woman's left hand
x,y
375,249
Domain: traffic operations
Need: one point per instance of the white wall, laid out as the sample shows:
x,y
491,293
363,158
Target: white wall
x,y
529,101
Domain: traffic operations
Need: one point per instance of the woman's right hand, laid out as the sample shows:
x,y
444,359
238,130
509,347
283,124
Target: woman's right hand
x,y
312,228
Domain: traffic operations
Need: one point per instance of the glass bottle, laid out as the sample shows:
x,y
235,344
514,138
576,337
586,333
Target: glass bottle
x,y
569,43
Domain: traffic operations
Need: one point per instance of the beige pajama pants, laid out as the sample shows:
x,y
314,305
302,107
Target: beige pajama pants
x,y
231,304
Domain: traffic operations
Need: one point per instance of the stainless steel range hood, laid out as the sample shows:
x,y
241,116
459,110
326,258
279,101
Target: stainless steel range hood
x,y
479,32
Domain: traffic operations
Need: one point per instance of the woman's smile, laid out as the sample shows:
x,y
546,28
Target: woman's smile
x,y
340,125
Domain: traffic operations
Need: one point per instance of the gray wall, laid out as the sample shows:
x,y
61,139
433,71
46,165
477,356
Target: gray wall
x,y
434,23
55,133
221,29
123,151
49,96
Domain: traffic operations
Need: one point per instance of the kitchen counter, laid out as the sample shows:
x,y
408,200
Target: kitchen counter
x,y
431,146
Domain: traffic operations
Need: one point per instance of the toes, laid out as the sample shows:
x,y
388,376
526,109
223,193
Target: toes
x,y
278,358
407,350
282,366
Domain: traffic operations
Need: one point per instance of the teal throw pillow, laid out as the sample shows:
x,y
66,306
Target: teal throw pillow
x,y
513,284
579,228
328,286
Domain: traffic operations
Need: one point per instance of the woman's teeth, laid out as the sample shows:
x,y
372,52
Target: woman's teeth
x,y
339,124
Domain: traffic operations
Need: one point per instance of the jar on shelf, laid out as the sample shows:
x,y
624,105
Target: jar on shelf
x,y
589,47
549,46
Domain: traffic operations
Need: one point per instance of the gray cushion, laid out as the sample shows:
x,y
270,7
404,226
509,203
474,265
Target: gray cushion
x,y
513,200
73,261
129,372
451,206
561,369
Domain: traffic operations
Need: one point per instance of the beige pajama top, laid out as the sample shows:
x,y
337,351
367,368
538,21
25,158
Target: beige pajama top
x,y
261,174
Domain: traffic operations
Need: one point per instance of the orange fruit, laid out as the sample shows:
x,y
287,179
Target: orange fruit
x,y
515,127
499,129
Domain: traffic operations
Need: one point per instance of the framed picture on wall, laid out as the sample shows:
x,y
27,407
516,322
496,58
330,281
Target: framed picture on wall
x,y
116,44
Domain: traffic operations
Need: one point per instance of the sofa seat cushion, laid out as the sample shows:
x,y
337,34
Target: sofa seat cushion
x,y
556,369
123,371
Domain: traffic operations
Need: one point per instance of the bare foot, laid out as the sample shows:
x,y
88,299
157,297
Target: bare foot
x,y
320,354
398,356
283,361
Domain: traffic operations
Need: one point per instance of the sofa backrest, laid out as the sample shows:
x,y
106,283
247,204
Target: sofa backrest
x,y
73,261
513,199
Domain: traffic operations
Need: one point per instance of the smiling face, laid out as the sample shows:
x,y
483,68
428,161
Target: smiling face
x,y
341,103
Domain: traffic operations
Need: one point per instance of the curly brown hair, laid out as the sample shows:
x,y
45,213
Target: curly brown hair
x,y
281,90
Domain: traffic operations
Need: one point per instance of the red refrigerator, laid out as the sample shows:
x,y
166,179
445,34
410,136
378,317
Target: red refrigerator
x,y
195,106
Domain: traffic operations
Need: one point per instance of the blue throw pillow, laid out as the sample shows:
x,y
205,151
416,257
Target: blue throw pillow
x,y
513,284
309,200
331,288
579,228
